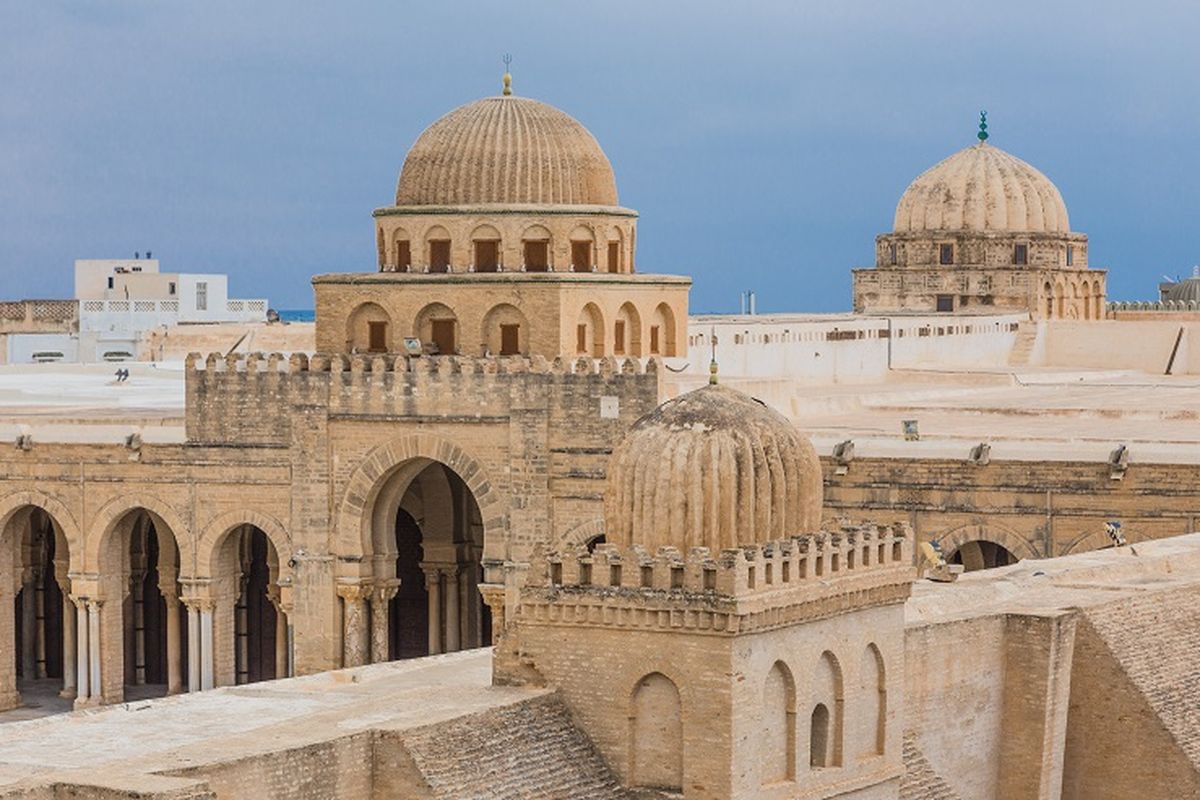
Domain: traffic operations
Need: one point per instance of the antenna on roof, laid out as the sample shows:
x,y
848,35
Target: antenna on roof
x,y
507,76
983,134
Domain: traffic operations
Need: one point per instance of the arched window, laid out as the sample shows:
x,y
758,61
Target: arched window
x,y
505,331
1048,291
825,736
368,330
777,746
627,332
582,245
1086,291
535,249
614,249
436,325
662,331
589,332
873,690
438,249
656,736
485,244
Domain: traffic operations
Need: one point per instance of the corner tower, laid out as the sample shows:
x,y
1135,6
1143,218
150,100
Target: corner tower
x,y
506,238
980,232
718,645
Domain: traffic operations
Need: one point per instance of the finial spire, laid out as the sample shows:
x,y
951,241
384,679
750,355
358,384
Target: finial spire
x,y
712,365
507,75
983,134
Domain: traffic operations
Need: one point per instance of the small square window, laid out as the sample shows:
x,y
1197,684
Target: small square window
x,y
110,281
946,254
171,288
945,302
1021,254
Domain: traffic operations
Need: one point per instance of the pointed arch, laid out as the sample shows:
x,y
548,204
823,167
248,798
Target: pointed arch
x,y
872,675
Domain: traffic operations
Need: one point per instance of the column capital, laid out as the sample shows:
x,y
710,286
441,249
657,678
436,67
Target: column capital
x,y
199,603
353,592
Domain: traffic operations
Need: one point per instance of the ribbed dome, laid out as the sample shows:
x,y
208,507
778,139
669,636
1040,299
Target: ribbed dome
x,y
506,150
712,468
983,189
1185,291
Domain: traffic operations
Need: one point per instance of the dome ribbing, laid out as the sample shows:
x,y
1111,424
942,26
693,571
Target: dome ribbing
x,y
712,468
506,150
982,189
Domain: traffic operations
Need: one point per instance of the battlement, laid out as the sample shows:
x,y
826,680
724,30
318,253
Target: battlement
x,y
381,364
780,582
250,399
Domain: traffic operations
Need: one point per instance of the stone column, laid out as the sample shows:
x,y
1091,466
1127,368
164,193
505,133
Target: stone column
x,y
62,577
29,627
281,643
380,600
69,648
354,624
83,649
174,647
433,585
193,631
94,656
493,597
39,596
453,623
137,591
206,644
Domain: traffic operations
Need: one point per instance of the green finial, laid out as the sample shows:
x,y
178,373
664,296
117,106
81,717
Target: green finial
x,y
983,134
507,76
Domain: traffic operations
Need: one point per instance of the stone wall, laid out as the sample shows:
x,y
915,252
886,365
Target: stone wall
x,y
1032,508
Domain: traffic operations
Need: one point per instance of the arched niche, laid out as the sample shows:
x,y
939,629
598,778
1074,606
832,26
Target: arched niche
x,y
436,325
369,329
827,713
505,331
589,331
656,734
485,249
777,733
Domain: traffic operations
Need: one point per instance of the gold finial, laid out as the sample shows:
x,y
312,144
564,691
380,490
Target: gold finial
x,y
507,76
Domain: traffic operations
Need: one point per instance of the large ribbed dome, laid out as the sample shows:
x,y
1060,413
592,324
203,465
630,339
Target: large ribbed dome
x,y
982,189
506,150
712,468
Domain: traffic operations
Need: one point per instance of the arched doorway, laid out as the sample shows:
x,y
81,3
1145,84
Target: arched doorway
x,y
143,623
981,554
249,626
427,533
34,590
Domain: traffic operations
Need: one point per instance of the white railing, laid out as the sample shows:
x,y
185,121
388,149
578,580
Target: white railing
x,y
133,315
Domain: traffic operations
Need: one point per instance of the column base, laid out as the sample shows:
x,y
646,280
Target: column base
x,y
68,694
9,700
88,702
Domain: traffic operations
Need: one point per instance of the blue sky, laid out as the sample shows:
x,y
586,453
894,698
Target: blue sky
x,y
765,144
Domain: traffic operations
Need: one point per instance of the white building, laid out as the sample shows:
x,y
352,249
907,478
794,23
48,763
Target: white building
x,y
116,302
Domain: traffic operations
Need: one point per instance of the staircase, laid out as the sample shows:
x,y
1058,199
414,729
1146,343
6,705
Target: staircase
x,y
1023,346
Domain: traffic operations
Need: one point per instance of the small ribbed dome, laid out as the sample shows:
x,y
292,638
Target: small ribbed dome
x,y
712,468
506,150
1186,290
982,189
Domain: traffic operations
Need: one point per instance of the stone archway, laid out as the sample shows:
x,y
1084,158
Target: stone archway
x,y
37,614
138,560
979,546
416,516
239,602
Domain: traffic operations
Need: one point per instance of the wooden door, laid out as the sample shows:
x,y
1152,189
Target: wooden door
x,y
510,336
377,337
443,336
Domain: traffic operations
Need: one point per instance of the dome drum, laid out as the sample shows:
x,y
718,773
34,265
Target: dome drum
x,y
974,249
